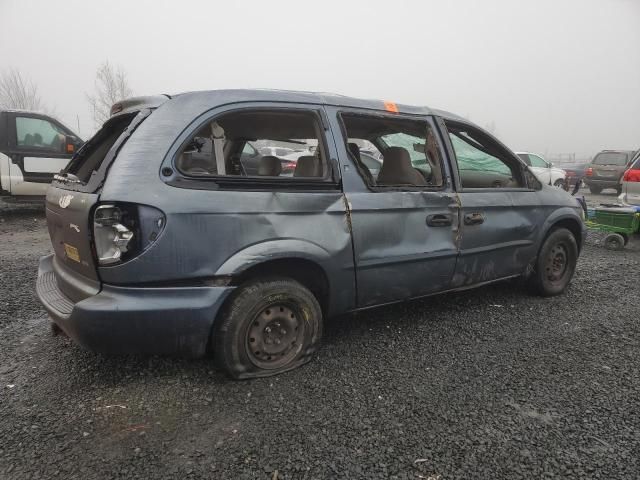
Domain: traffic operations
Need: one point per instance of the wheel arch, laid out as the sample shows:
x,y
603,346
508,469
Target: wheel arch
x,y
569,221
300,260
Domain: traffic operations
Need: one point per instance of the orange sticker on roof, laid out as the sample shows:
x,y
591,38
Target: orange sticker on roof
x,y
391,107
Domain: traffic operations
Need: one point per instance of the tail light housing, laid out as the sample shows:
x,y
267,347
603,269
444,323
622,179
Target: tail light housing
x,y
631,175
589,172
123,231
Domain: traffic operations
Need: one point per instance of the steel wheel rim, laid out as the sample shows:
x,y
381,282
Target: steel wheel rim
x,y
557,262
275,336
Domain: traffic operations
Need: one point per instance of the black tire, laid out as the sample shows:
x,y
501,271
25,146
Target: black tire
x,y
595,190
619,189
555,264
559,183
269,326
625,237
615,241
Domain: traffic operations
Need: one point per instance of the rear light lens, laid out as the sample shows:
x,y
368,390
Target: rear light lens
x,y
122,231
589,172
631,175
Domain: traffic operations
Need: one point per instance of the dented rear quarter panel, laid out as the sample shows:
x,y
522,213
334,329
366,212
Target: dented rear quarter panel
x,y
223,232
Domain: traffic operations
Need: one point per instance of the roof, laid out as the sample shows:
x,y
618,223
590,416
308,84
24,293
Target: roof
x,y
21,110
219,97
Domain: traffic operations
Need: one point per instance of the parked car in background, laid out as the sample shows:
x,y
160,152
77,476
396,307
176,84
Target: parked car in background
x,y
606,170
156,254
630,188
33,148
574,172
545,171
251,156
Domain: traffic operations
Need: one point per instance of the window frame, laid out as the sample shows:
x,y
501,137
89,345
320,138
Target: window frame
x,y
331,181
519,164
363,170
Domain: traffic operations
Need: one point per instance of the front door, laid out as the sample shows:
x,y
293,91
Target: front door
x,y
403,211
500,214
37,151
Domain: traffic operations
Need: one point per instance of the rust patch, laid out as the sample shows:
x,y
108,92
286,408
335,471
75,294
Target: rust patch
x,y
347,213
457,231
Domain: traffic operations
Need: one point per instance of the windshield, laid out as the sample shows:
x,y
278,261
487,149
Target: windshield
x,y
611,158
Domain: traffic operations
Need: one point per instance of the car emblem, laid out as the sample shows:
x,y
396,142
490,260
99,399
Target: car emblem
x,y
65,200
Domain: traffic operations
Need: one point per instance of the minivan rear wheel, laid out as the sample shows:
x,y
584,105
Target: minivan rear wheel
x,y
555,264
268,327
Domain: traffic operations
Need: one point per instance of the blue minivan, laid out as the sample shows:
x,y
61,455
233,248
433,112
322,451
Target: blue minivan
x,y
178,229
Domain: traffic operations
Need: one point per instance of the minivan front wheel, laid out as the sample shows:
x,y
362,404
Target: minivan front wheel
x,y
269,326
556,263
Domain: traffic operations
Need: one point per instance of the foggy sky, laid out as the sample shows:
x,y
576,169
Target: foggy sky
x,y
553,76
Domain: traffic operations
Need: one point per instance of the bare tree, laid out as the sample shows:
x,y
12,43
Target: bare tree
x,y
19,92
111,85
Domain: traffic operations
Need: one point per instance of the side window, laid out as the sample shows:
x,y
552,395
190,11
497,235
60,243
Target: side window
x,y
482,163
39,134
538,162
280,144
394,151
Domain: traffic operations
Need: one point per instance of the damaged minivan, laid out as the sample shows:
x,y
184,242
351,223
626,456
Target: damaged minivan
x,y
235,222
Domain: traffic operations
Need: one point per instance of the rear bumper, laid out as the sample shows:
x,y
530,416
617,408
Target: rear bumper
x,y
602,183
171,320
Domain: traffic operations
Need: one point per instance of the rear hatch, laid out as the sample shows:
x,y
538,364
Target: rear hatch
x,y
73,195
609,165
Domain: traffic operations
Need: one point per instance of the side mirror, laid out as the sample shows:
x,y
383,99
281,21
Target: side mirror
x,y
550,164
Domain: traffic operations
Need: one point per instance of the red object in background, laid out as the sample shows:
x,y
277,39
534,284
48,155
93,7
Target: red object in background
x,y
631,175
588,172
288,165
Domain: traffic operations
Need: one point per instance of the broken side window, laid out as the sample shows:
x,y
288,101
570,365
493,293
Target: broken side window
x,y
394,151
261,144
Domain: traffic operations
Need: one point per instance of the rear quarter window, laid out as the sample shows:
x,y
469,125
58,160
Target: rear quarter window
x,y
90,157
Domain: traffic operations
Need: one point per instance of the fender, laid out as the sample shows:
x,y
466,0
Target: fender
x,y
273,250
563,213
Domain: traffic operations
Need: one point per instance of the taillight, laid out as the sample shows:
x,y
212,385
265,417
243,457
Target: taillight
x,y
589,172
122,231
631,175
288,165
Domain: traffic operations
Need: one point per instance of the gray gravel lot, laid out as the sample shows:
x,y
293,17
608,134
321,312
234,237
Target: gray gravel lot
x,y
492,383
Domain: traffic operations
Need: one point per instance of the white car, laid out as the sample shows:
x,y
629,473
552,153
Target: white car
x,y
543,170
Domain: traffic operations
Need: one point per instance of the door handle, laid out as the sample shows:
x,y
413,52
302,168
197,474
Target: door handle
x,y
475,218
440,220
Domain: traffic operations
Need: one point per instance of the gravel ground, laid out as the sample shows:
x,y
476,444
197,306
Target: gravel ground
x,y
492,383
